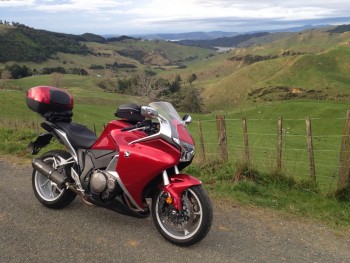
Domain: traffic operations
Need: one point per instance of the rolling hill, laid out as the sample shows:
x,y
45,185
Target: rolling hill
x,y
321,75
20,43
262,67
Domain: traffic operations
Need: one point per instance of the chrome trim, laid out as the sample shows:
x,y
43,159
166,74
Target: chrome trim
x,y
66,142
166,180
111,169
76,179
64,161
176,170
112,166
164,132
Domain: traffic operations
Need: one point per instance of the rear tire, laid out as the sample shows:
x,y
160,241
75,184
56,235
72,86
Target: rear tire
x,y
46,191
188,226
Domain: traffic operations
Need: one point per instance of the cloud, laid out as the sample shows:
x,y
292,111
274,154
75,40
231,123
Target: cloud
x,y
166,11
169,15
16,3
52,6
81,6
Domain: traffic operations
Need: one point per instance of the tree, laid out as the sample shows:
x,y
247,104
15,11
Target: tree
x,y
192,101
18,72
175,86
150,87
191,78
124,84
56,79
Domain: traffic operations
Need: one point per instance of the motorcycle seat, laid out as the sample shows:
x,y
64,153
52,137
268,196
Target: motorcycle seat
x,y
79,135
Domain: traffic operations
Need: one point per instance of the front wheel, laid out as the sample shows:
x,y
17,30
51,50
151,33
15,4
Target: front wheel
x,y
187,226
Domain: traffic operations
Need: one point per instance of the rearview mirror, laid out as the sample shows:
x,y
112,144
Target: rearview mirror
x,y
148,112
187,119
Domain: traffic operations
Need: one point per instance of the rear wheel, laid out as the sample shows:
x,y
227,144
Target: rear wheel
x,y
46,191
187,226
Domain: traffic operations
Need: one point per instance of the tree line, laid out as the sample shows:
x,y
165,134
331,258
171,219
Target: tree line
x,y
16,71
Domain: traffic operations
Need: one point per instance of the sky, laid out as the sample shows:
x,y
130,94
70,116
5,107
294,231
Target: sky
x,y
172,16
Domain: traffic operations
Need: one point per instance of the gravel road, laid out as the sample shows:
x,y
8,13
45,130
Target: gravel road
x,y
30,232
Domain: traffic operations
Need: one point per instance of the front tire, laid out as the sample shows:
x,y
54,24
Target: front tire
x,y
187,226
46,191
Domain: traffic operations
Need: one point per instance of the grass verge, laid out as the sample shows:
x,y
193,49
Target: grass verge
x,y
238,182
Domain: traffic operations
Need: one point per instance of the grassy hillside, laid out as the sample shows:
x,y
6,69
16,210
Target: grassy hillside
x,y
222,41
310,41
159,52
310,75
38,49
22,43
309,64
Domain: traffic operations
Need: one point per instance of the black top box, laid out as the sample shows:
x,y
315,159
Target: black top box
x,y
43,99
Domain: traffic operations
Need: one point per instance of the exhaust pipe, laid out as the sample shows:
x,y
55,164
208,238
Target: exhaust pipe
x,y
50,172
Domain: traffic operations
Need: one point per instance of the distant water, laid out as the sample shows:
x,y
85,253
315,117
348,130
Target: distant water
x,y
223,49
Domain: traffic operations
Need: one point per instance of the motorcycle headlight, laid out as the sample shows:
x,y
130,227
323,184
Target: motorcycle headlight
x,y
187,150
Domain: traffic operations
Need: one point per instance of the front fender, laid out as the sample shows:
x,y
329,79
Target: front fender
x,y
178,184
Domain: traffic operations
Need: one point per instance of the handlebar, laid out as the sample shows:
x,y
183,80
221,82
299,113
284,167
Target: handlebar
x,y
147,123
129,128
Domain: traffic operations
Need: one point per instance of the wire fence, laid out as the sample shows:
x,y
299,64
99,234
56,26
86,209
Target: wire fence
x,y
288,146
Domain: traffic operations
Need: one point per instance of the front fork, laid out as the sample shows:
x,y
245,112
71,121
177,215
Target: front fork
x,y
175,185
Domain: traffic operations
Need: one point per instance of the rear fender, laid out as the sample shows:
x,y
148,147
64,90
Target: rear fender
x,y
178,184
40,142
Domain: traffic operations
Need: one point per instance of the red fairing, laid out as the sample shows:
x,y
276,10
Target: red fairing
x,y
178,184
106,141
140,163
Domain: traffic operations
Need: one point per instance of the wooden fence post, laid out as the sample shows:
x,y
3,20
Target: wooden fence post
x,y
279,145
222,139
344,158
94,128
310,149
245,137
201,141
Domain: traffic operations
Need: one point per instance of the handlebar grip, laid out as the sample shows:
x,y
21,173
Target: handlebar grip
x,y
138,125
128,128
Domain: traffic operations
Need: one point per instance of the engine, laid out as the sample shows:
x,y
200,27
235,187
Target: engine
x,y
104,184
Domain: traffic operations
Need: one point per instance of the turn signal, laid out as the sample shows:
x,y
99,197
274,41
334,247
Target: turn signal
x,y
169,200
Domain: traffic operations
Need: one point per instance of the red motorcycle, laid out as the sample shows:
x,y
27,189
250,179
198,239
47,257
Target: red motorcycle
x,y
134,165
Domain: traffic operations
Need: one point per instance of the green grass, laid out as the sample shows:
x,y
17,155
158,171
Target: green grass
x,y
327,126
279,193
